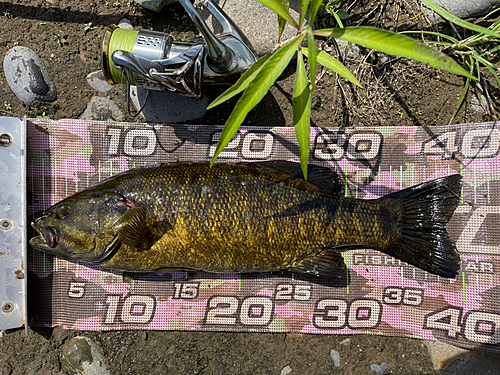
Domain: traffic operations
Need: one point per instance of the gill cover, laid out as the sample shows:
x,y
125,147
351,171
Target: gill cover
x,y
82,227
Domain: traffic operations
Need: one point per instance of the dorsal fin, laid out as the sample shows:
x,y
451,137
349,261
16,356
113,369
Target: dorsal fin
x,y
326,179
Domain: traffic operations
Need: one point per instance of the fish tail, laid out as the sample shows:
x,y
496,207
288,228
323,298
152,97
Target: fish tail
x,y
421,213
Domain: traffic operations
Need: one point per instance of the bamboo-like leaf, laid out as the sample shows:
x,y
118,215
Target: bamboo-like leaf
x,y
276,7
332,63
337,18
269,72
313,10
241,84
312,57
303,10
458,21
302,112
281,20
397,45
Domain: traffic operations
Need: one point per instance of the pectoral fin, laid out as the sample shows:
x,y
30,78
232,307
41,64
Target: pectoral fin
x,y
327,264
139,229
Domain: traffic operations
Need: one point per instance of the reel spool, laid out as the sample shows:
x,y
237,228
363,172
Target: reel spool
x,y
153,61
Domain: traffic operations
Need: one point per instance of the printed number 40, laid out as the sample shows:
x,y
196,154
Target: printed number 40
x,y
477,326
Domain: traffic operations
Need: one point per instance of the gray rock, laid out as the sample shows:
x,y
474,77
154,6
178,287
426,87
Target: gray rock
x,y
379,369
348,49
466,9
82,356
125,24
102,109
286,370
98,82
154,5
27,76
335,355
168,106
5,368
259,23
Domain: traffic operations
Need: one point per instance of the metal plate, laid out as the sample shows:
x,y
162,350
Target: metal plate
x,y
12,222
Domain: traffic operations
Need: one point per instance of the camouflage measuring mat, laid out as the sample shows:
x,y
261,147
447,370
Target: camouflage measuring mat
x,y
380,294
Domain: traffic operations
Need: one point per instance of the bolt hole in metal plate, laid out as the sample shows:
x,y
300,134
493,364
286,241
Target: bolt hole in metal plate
x,y
12,222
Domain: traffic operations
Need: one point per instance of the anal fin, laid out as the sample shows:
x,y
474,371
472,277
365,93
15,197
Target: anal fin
x,y
327,264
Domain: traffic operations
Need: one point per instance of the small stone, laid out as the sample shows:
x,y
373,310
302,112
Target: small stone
x,y
154,5
82,356
125,24
286,370
345,342
476,106
102,109
379,369
335,355
5,368
98,82
443,354
27,76
348,49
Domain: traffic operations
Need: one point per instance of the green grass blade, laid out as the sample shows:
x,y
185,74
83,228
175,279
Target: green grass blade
x,y
281,20
241,84
302,112
302,13
256,90
494,73
464,92
458,21
397,45
313,10
276,7
313,52
332,63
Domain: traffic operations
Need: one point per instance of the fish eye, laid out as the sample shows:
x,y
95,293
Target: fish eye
x,y
63,211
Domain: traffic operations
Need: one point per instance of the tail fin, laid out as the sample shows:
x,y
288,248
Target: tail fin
x,y
422,214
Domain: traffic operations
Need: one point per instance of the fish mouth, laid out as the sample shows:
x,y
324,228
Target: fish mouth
x,y
46,236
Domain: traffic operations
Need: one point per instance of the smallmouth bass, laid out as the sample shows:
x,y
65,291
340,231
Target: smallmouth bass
x,y
246,217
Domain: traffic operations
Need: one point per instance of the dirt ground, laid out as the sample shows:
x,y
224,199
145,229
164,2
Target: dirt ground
x,y
67,36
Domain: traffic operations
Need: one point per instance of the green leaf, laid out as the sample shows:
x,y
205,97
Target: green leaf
x,y
281,20
302,112
313,10
312,57
332,63
337,18
303,10
397,45
269,72
241,84
276,7
458,21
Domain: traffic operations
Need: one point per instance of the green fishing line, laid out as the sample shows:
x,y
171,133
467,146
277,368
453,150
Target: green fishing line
x,y
124,40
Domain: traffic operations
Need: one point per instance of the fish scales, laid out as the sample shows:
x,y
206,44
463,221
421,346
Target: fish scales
x,y
220,225
228,218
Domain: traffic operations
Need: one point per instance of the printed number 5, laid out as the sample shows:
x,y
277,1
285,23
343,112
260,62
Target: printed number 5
x,y
76,290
